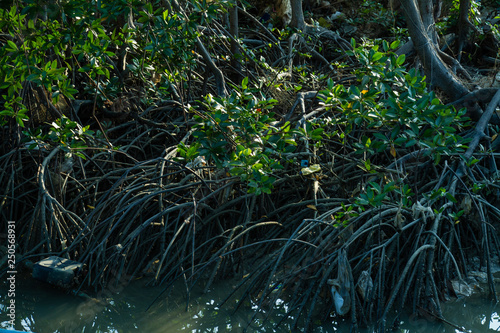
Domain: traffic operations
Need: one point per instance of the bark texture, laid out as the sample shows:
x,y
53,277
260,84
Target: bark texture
x,y
420,22
297,15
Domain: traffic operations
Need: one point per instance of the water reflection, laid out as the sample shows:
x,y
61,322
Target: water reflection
x,y
44,309
477,314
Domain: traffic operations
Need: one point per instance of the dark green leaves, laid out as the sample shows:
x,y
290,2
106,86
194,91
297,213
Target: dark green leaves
x,y
237,132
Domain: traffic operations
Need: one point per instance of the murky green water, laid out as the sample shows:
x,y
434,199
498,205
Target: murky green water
x,y
44,309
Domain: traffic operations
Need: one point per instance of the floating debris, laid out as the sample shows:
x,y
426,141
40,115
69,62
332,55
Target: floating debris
x,y
365,286
341,286
57,271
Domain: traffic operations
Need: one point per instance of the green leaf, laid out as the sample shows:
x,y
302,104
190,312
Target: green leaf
x,y
451,197
395,44
378,198
257,166
400,60
414,128
266,190
377,56
389,187
244,83
12,46
410,143
385,45
317,132
20,121
237,171
380,136
368,165
32,77
80,155
246,152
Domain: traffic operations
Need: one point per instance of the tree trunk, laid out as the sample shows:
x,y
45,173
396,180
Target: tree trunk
x,y
420,22
463,26
284,11
297,15
235,48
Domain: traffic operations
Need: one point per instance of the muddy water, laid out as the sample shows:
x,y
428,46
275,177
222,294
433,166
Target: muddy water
x,y
44,309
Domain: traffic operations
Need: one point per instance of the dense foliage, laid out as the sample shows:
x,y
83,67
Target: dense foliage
x,y
152,139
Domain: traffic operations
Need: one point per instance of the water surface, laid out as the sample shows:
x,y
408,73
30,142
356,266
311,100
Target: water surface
x,y
122,308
